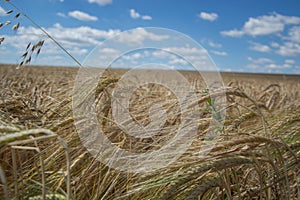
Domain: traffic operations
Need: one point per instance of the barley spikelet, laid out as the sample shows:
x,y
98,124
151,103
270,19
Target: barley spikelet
x,y
199,190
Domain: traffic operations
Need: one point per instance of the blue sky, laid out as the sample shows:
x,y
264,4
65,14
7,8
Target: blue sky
x,y
248,35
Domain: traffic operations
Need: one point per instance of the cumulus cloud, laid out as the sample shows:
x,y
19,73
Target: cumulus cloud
x,y
290,45
135,15
270,66
260,60
101,2
289,49
146,17
133,56
109,51
277,66
285,28
186,50
197,56
178,61
82,16
290,61
183,57
260,47
214,45
161,54
274,44
78,51
294,34
233,33
264,25
139,35
73,39
208,16
219,53
285,49
61,14
78,40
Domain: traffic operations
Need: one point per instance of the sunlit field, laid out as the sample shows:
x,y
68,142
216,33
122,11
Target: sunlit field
x,y
256,156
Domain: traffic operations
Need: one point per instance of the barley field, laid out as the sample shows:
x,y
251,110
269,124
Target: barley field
x,y
256,156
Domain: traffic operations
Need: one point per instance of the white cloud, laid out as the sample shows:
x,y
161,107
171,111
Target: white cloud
x,y
2,11
134,56
228,70
197,56
178,61
214,45
135,15
285,49
82,36
82,16
219,53
183,57
260,47
208,16
70,38
273,24
138,35
101,2
78,41
233,33
276,66
262,65
274,44
260,60
291,44
270,66
289,49
186,50
289,61
110,51
107,55
264,25
162,54
78,51
294,34
61,14
146,17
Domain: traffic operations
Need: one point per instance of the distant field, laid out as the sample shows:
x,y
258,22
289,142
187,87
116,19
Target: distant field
x,y
257,155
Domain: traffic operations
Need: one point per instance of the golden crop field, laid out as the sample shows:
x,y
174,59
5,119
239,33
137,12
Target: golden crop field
x,y
256,155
